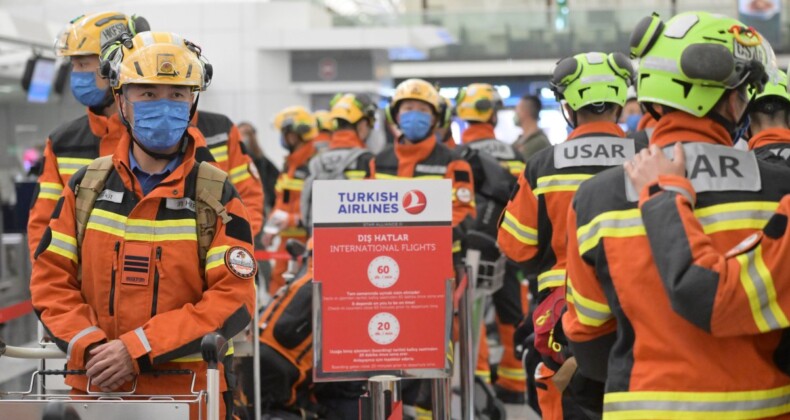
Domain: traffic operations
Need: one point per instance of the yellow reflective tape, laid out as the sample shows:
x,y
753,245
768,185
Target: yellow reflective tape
x,y
697,405
523,233
511,373
766,276
355,174
238,178
199,358
551,279
49,196
63,245
142,229
220,153
456,246
74,161
284,182
758,284
555,183
589,312
215,257
615,224
51,186
292,232
734,216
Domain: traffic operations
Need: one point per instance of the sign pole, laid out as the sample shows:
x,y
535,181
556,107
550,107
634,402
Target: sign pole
x,y
385,399
441,398
466,341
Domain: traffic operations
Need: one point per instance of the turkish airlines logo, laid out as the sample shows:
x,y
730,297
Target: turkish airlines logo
x,y
414,202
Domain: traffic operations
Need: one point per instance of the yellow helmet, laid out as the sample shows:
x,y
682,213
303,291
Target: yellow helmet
x,y
416,89
87,34
160,58
352,108
477,102
324,119
298,120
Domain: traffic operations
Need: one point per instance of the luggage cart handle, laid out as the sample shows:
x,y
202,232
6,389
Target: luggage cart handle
x,y
29,352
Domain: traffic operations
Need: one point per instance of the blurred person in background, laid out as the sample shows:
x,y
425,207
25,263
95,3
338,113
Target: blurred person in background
x,y
532,138
632,113
267,170
297,129
325,127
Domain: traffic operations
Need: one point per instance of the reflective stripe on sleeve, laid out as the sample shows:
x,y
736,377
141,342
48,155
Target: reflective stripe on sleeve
x,y
215,257
63,245
616,224
239,173
734,216
524,234
143,339
77,337
69,166
50,190
758,284
551,279
220,153
588,311
355,174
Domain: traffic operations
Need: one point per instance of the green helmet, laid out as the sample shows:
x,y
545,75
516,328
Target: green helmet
x,y
689,63
775,88
592,78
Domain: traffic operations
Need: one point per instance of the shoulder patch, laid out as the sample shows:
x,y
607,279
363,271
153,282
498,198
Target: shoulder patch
x,y
240,262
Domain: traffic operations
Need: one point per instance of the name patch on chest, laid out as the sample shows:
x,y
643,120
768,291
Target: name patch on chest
x,y
593,151
180,204
430,169
495,148
111,196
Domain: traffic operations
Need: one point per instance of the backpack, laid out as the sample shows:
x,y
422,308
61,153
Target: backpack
x,y
209,184
329,165
286,346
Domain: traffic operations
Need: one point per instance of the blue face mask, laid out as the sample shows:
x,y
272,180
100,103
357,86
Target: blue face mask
x,y
159,125
84,89
415,125
632,122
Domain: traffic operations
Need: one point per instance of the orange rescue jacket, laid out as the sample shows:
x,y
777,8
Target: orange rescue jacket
x,y
137,276
70,147
620,323
224,142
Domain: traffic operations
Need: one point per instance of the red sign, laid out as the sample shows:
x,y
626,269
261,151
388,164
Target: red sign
x,y
327,69
384,297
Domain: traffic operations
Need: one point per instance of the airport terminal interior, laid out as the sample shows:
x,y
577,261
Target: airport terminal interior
x,y
374,209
